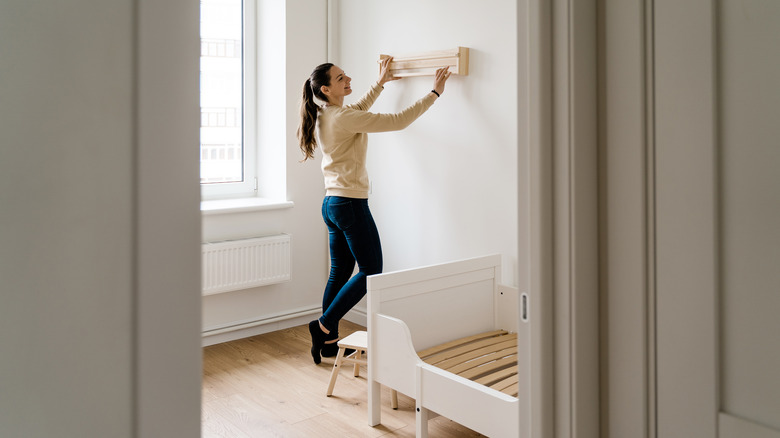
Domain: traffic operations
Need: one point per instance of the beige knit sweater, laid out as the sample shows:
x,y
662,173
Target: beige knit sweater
x,y
342,135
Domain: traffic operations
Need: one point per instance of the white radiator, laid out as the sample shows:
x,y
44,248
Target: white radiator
x,y
242,264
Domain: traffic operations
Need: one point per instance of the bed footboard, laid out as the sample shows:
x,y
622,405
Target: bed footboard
x,y
414,310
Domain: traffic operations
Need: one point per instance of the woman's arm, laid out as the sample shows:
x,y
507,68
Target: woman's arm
x,y
368,99
355,120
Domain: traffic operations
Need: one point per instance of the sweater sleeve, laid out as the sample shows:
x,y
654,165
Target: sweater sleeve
x,y
368,99
355,121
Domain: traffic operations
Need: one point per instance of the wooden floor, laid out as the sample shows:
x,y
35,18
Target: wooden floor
x,y
268,386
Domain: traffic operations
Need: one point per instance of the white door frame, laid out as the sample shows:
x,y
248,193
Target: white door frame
x,y
625,218
558,218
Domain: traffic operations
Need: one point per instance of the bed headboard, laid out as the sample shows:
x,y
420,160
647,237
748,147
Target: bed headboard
x,y
442,302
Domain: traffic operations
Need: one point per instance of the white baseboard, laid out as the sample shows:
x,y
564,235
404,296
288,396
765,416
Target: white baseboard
x,y
272,323
245,329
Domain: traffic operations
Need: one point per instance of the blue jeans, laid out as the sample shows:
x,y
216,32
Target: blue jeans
x,y
353,237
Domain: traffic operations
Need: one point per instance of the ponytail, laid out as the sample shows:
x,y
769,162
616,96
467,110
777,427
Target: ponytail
x,y
306,139
311,89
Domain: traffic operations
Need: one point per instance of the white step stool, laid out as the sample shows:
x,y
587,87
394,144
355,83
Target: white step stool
x,y
357,341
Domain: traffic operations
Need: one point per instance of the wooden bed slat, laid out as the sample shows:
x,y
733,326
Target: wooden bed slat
x,y
447,363
482,361
502,385
467,347
489,344
512,390
497,376
433,350
489,367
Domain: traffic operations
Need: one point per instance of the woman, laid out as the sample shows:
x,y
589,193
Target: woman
x,y
341,134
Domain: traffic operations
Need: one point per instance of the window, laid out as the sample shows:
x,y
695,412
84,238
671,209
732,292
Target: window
x,y
227,99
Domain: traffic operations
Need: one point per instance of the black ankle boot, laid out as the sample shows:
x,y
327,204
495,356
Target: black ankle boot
x,y
318,338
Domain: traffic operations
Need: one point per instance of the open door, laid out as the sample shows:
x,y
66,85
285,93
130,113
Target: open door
x,y
717,210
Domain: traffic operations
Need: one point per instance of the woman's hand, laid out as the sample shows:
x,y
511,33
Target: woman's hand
x,y
384,71
442,75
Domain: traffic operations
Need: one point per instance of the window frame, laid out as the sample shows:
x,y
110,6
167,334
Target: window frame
x,y
249,186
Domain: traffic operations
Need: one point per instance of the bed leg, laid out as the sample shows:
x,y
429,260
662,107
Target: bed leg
x,y
394,399
374,403
422,421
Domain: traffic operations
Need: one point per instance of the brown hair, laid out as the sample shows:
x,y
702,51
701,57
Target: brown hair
x,y
312,88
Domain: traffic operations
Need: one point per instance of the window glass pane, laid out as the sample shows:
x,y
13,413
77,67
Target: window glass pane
x,y
221,91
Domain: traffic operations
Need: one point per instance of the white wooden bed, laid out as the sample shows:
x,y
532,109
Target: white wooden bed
x,y
416,310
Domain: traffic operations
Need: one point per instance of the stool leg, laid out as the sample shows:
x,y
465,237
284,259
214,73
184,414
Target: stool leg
x,y
358,355
335,373
394,399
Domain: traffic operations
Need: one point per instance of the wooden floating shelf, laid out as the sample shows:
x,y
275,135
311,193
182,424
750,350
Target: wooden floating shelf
x,y
426,64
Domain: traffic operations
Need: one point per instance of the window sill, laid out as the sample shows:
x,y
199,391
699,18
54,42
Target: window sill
x,y
241,205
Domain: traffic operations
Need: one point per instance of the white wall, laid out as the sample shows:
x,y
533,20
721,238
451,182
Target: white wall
x,y
446,187
301,298
98,226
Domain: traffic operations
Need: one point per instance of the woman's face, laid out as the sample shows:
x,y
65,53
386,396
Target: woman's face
x,y
339,84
